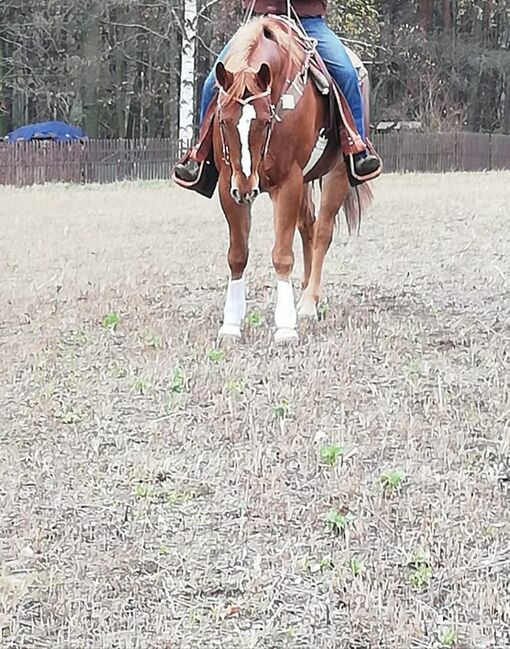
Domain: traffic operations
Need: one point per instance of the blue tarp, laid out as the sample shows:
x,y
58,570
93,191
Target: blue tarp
x,y
59,131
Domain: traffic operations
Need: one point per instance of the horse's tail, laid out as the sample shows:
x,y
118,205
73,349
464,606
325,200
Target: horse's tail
x,y
355,205
361,197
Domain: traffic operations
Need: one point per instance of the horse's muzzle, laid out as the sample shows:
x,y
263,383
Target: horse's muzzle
x,y
244,197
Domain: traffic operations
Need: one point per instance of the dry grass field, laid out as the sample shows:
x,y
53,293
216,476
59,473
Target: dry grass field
x,y
159,492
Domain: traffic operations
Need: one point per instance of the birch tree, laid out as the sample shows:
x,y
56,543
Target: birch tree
x,y
187,84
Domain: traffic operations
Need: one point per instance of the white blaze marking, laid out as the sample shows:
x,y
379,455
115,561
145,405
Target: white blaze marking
x,y
247,115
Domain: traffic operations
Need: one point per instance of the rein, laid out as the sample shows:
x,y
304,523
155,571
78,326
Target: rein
x,y
249,12
246,102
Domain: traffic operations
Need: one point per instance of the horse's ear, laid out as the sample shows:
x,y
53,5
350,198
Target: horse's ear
x,y
264,76
223,76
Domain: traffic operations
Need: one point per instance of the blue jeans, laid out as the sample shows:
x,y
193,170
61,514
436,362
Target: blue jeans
x,y
209,86
335,56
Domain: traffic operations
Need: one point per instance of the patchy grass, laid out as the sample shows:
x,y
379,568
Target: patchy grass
x,y
391,480
141,385
177,381
111,321
236,386
254,318
357,567
421,572
448,638
282,410
216,355
189,509
337,521
330,453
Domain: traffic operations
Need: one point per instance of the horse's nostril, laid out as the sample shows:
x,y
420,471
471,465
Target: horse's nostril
x,y
234,192
252,195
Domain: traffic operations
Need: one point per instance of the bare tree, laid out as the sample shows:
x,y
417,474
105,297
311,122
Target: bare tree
x,y
187,85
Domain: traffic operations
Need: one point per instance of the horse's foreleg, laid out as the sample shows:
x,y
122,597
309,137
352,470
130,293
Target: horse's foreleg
x,y
305,227
238,218
287,202
335,186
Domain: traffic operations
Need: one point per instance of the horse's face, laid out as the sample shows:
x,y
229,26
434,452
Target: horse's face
x,y
246,118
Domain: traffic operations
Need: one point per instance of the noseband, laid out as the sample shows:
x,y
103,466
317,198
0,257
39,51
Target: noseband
x,y
245,102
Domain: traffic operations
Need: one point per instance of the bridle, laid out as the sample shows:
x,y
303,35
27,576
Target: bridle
x,y
309,45
245,102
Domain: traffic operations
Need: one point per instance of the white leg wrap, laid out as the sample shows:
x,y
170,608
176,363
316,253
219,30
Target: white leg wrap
x,y
285,313
235,308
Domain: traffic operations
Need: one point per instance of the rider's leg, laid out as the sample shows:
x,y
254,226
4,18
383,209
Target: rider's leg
x,y
208,89
189,170
337,60
335,56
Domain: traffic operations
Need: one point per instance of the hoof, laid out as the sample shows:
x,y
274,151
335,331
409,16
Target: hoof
x,y
286,336
307,309
230,331
310,314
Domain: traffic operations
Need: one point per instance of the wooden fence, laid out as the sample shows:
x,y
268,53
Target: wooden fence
x,y
93,161
440,152
106,161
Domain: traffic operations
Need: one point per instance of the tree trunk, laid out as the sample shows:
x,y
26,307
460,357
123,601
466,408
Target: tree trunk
x,y
426,14
19,106
506,111
91,47
3,107
187,103
447,14
120,94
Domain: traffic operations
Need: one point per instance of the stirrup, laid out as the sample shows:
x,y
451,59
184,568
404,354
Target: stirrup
x,y
356,179
181,171
206,181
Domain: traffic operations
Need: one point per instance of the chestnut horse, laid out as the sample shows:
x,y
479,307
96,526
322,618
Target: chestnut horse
x,y
265,138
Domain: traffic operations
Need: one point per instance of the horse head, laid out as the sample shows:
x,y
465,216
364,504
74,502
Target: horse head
x,y
246,117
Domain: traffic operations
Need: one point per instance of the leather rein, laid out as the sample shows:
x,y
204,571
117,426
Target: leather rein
x,y
245,102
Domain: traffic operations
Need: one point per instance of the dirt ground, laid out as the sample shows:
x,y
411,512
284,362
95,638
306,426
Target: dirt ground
x,y
157,492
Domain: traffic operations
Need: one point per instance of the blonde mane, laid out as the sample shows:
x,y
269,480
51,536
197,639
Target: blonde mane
x,y
243,46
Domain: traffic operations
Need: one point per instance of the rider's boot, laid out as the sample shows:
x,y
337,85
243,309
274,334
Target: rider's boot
x,y
365,164
187,171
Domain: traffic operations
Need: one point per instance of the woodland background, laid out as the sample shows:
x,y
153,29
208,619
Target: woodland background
x,y
114,66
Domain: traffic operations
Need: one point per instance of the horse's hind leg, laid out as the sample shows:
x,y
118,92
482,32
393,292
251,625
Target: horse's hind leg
x,y
238,218
287,202
335,187
305,227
